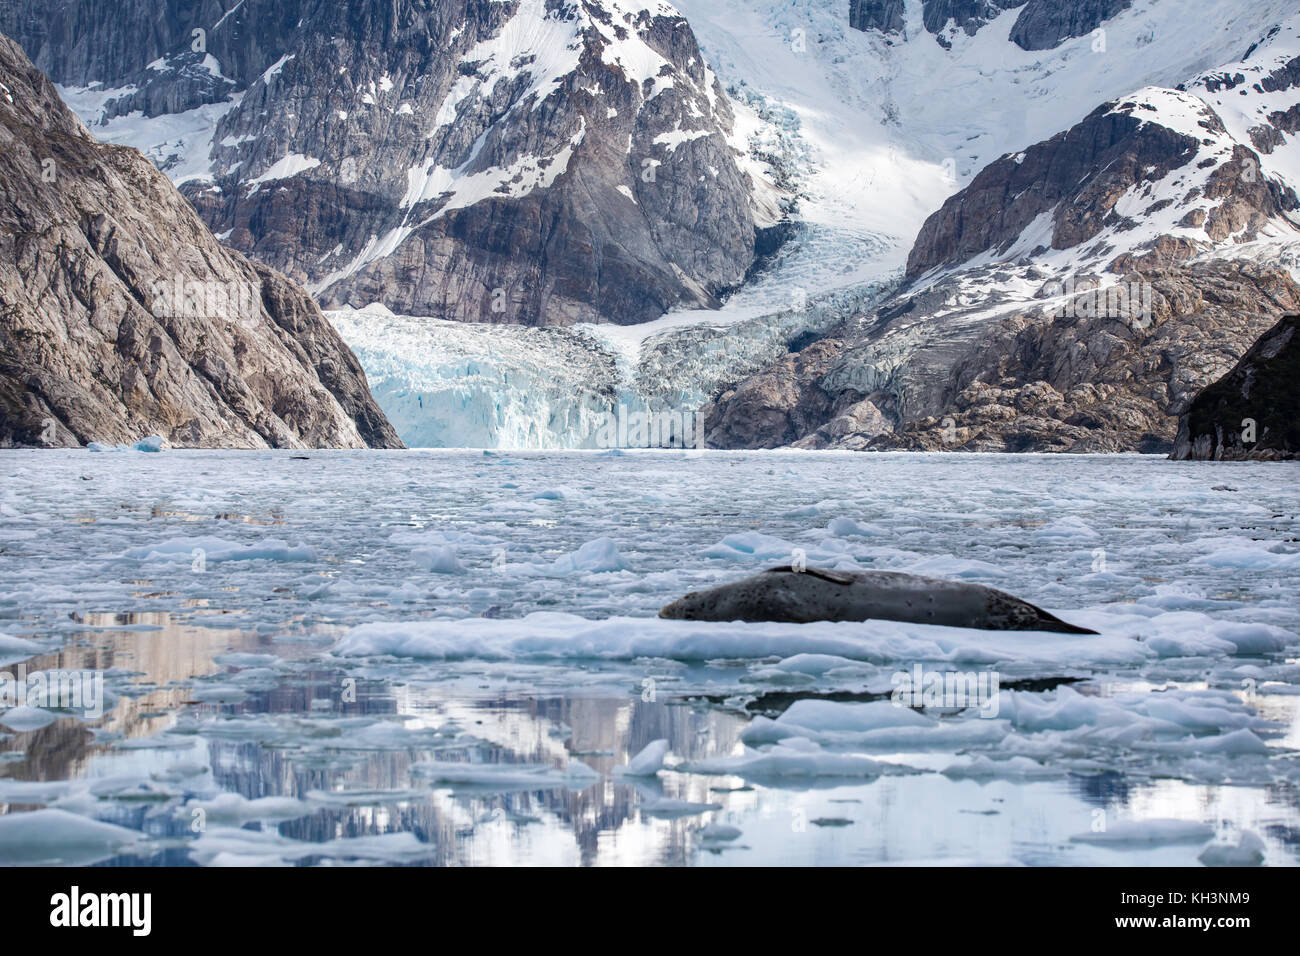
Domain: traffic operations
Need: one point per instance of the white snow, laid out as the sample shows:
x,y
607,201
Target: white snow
x,y
285,168
275,68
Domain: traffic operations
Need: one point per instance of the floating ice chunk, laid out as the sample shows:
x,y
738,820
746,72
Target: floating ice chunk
x,y
1152,721
1137,833
243,860
647,763
245,659
672,808
129,788
1247,851
928,734
218,694
553,635
982,767
27,718
218,549
1170,597
236,809
1064,709
1258,558
1237,743
1204,715
183,772
819,665
17,648
441,538
720,833
579,774
788,760
153,443
158,742
776,676
831,715
1255,638
439,560
951,566
753,546
600,555
504,776
848,528
364,798
36,792
1068,528
52,837
219,846
370,735
1194,634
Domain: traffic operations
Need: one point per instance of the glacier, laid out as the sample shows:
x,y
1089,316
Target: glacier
x,y
449,384
864,138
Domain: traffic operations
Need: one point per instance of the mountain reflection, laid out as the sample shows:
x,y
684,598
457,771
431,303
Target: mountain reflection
x,y
201,711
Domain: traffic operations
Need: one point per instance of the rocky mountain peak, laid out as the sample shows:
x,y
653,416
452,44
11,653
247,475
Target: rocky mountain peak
x,y
121,316
1154,178
529,161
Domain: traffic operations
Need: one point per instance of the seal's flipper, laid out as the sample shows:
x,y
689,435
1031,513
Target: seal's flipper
x,y
835,577
1063,627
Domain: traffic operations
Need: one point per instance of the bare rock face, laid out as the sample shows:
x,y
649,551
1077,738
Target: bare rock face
x,y
1253,412
1041,25
966,15
1045,24
541,162
776,407
121,316
1069,378
883,15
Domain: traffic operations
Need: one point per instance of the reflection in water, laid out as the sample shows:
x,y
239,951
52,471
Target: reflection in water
x,y
170,677
234,735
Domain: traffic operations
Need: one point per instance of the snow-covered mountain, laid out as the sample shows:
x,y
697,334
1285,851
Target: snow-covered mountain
x,y
536,162
932,172
1072,296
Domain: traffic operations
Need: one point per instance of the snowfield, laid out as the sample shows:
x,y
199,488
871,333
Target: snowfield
x,y
454,658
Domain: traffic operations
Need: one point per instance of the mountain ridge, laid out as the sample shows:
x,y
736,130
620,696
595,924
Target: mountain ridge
x,y
122,317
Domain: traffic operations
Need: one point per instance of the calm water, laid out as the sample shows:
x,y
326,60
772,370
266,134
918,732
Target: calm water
x,y
223,680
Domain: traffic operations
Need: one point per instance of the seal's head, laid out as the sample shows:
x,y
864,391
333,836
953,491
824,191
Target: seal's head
x,y
687,608
729,602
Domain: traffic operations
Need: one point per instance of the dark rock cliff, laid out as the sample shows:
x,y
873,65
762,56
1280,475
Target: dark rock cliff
x,y
121,315
1253,412
540,162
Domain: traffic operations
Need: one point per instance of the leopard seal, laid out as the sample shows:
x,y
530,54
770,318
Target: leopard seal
x,y
801,596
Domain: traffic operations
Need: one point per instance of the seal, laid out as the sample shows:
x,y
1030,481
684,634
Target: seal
x,y
802,596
